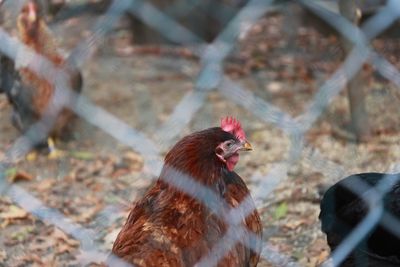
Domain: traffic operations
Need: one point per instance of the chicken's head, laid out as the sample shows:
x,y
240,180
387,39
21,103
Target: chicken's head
x,y
203,153
29,19
227,151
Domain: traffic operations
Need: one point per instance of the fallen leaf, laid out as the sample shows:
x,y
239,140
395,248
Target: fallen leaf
x,y
14,212
322,256
90,257
84,155
22,234
36,258
97,187
42,244
32,259
64,248
274,87
4,224
280,211
60,235
291,225
298,254
44,185
88,214
132,157
3,255
20,176
10,172
119,172
31,156
133,160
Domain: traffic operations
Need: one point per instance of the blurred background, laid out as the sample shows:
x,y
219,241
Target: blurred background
x,y
317,97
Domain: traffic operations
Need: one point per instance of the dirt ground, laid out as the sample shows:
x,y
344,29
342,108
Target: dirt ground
x,y
142,88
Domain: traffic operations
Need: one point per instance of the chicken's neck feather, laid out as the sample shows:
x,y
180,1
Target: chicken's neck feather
x,y
191,165
41,42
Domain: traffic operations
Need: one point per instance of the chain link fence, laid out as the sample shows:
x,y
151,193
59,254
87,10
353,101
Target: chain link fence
x,y
211,78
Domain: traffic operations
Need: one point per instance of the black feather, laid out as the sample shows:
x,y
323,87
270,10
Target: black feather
x,y
342,209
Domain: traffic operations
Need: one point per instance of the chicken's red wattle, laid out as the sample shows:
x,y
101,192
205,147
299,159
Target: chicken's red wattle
x,y
232,161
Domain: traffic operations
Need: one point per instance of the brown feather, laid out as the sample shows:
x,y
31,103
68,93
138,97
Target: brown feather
x,y
168,227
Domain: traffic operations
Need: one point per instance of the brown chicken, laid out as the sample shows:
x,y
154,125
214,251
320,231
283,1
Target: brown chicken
x,y
29,93
169,227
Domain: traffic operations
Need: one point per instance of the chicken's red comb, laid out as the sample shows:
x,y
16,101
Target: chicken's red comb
x,y
231,125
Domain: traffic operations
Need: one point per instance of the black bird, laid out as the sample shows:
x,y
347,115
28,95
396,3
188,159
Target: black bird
x,y
342,209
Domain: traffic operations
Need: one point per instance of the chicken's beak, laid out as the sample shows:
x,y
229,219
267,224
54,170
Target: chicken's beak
x,y
246,146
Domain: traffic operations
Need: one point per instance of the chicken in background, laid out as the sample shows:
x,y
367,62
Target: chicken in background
x,y
29,93
168,227
343,207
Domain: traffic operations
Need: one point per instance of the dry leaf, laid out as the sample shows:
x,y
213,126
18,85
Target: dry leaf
x,y
88,214
119,172
87,257
44,185
36,258
43,245
21,176
97,187
32,156
134,160
132,157
29,258
291,225
84,155
60,235
3,255
64,248
14,212
21,235
322,256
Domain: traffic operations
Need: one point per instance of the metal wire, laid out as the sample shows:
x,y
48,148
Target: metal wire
x,y
210,78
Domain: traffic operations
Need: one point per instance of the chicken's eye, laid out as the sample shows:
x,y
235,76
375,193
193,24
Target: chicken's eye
x,y
229,144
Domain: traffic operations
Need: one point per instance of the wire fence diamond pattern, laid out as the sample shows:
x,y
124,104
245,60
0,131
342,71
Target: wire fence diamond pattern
x,y
210,78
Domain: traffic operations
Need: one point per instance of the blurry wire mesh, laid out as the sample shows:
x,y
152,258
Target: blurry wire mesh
x,y
166,22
